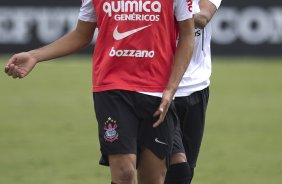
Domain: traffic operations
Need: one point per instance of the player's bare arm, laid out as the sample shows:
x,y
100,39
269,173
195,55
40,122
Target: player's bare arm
x,y
207,11
182,59
20,65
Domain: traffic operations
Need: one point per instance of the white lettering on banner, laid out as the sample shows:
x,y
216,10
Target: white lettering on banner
x,y
132,53
251,25
133,7
18,24
224,34
276,13
14,26
255,30
55,26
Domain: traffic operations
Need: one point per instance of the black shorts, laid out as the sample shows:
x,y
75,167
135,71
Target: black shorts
x,y
125,120
191,111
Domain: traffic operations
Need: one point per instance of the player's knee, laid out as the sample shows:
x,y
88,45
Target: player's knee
x,y
123,168
179,173
126,174
177,158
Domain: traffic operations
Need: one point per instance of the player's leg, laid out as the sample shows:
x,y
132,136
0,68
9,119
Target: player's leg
x,y
179,170
123,168
191,111
118,129
155,143
151,169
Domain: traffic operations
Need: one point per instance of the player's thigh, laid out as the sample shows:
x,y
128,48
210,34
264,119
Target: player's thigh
x,y
151,169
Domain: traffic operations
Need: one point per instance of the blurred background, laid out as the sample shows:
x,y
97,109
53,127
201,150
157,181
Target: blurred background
x,y
241,27
48,131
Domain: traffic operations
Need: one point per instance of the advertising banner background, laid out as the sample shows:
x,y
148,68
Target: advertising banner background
x,y
248,28
239,28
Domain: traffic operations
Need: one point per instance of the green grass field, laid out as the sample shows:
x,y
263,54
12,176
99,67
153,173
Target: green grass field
x,y
48,130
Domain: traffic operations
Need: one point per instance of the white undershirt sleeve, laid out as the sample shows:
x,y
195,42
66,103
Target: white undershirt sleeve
x,y
87,12
196,7
216,3
182,10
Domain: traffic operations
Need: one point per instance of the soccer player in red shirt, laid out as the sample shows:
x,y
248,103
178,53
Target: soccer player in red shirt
x,y
136,71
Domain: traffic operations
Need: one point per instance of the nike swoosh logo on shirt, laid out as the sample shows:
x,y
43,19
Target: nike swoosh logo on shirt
x,y
118,36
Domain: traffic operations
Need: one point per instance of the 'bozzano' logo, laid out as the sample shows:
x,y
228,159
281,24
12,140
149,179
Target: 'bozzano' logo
x,y
132,53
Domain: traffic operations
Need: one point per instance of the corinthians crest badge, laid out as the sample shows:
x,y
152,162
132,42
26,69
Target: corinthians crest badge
x,y
110,128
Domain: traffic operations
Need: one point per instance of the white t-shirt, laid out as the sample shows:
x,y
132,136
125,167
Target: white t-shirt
x,y
216,3
197,76
88,14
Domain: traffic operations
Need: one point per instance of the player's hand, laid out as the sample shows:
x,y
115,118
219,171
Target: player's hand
x,y
19,65
163,108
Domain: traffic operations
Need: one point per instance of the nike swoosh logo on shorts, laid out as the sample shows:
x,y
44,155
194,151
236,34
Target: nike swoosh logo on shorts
x,y
118,36
158,141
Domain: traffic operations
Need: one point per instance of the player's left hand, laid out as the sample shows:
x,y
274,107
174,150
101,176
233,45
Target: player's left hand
x,y
163,108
